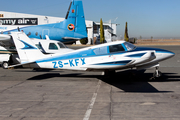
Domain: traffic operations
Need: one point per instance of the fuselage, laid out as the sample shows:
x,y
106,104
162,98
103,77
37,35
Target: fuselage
x,y
115,55
52,30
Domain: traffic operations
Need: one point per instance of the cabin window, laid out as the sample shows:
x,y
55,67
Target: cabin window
x,y
52,46
29,34
36,33
116,48
100,51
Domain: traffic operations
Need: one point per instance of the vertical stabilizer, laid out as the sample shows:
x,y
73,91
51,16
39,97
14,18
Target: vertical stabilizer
x,y
26,49
75,19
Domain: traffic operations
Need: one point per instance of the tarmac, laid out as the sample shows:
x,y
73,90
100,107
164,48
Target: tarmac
x,y
75,95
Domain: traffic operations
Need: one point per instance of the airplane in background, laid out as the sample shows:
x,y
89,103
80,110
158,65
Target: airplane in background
x,y
73,28
106,57
9,55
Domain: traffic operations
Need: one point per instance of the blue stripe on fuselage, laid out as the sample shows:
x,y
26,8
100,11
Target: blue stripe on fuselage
x,y
136,55
79,54
90,53
115,63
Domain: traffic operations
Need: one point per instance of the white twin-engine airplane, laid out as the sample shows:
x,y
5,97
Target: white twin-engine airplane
x,y
105,57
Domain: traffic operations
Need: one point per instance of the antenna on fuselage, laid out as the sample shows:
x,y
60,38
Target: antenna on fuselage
x,y
18,29
40,36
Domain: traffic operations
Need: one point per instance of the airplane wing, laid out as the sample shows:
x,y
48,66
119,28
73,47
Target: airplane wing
x,y
6,40
71,38
4,37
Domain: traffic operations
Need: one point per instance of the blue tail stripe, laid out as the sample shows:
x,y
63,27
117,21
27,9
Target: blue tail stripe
x,y
27,46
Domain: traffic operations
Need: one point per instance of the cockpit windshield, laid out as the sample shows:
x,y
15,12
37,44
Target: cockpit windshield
x,y
129,46
61,45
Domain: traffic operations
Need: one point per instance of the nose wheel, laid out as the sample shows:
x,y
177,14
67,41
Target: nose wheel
x,y
157,73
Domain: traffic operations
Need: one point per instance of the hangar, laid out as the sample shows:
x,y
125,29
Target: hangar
x,y
12,20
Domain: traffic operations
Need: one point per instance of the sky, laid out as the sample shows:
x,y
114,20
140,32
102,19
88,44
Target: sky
x,y
145,18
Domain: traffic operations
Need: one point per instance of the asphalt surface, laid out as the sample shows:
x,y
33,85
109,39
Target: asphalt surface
x,y
75,95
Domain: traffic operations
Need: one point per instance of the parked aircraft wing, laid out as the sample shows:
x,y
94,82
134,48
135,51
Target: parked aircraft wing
x,y
5,37
71,38
6,40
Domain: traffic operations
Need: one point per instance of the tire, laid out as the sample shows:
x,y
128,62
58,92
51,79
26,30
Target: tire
x,y
109,73
5,65
157,74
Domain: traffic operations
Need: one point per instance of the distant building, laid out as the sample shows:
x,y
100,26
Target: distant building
x,y
109,31
12,20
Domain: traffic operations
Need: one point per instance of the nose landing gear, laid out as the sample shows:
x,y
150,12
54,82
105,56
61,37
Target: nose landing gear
x,y
157,73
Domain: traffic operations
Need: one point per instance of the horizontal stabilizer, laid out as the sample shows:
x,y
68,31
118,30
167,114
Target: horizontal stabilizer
x,y
21,64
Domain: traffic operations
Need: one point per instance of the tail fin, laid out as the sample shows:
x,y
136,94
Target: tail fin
x,y
26,49
75,20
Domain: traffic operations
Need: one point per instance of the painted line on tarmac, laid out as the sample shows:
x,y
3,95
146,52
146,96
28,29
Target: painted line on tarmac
x,y
90,107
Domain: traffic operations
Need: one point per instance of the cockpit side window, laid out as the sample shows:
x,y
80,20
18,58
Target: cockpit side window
x,y
61,45
52,46
100,51
116,48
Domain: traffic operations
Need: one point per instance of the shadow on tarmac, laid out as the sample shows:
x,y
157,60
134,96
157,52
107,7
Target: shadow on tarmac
x,y
138,81
128,81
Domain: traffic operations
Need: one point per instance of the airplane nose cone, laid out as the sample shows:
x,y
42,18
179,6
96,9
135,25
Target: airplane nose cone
x,y
170,54
165,53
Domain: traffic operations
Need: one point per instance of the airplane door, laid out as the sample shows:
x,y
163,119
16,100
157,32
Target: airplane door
x,y
44,33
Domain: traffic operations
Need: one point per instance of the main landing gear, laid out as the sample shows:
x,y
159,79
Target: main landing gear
x,y
5,65
108,72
